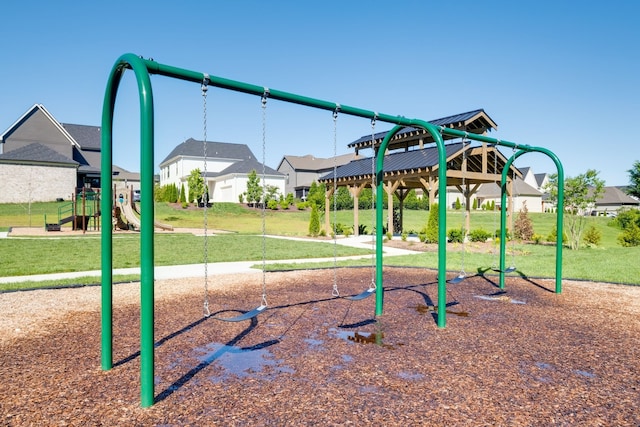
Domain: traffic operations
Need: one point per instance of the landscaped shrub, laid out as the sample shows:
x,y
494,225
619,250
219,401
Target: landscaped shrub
x,y
362,229
537,238
273,204
314,222
553,236
523,227
301,206
592,236
630,236
479,235
455,235
430,232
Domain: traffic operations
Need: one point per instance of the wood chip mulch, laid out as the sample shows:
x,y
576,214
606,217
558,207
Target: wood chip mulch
x,y
524,356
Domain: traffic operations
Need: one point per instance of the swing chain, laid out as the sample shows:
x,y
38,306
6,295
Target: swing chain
x,y
205,84
265,95
373,201
335,292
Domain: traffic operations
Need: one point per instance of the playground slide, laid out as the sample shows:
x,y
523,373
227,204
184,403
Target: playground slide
x,y
157,224
125,208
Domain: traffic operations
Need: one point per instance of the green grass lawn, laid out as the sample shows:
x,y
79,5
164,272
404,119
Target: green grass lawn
x,y
609,262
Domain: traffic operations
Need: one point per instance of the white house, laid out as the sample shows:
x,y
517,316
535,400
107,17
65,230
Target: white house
x,y
228,166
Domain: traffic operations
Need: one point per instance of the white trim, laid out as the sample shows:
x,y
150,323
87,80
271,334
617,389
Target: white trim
x,y
47,115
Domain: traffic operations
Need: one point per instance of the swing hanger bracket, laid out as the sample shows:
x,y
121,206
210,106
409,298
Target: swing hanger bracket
x,y
205,82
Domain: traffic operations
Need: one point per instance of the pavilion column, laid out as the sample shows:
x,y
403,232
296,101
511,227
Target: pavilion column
x,y
327,210
390,188
431,186
355,191
402,194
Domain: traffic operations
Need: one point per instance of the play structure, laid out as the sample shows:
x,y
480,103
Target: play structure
x,y
83,212
143,68
124,205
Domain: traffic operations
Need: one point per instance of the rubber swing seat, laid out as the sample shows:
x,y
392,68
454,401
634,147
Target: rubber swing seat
x,y
459,278
366,294
244,316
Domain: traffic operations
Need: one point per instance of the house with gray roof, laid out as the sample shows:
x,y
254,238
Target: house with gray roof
x,y
42,159
612,200
227,166
302,171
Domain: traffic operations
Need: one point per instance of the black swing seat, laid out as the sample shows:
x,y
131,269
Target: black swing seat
x,y
459,278
365,294
506,270
244,316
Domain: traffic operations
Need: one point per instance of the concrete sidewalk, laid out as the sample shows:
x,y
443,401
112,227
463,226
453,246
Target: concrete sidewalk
x,y
197,270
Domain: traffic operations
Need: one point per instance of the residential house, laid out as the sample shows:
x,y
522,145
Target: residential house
x,y
42,159
302,171
612,200
227,166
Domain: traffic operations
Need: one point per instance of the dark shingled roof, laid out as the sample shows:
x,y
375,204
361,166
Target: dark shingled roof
x,y
36,152
394,162
449,121
245,166
87,136
219,150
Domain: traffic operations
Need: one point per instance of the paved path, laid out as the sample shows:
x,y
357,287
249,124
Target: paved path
x,y
197,270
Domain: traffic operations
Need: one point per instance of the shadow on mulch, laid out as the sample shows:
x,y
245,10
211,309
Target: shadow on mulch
x,y
519,356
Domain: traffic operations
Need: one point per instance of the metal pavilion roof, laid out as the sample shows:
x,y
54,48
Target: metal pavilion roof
x,y
395,162
476,121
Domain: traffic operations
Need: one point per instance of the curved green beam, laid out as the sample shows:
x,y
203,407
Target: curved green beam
x,y
142,68
559,216
435,132
139,67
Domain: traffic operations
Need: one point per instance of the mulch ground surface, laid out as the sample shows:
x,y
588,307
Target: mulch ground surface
x,y
523,356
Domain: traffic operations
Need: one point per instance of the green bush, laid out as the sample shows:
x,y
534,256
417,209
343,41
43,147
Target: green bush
x,y
592,236
302,206
479,235
630,236
430,232
314,222
455,235
273,204
537,238
553,236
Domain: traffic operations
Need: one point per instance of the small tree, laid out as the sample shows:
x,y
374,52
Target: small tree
x,y
523,227
314,222
254,190
316,194
431,230
592,236
196,185
580,194
183,196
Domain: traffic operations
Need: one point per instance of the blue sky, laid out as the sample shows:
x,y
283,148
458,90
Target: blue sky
x,y
558,74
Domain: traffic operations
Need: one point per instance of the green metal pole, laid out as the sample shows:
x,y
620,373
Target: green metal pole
x,y
105,213
380,216
146,232
503,216
442,213
139,66
559,216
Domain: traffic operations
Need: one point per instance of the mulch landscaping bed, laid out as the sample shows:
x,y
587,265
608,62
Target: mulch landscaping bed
x,y
525,356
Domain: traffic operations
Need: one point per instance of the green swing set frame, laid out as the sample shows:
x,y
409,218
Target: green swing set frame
x,y
142,69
